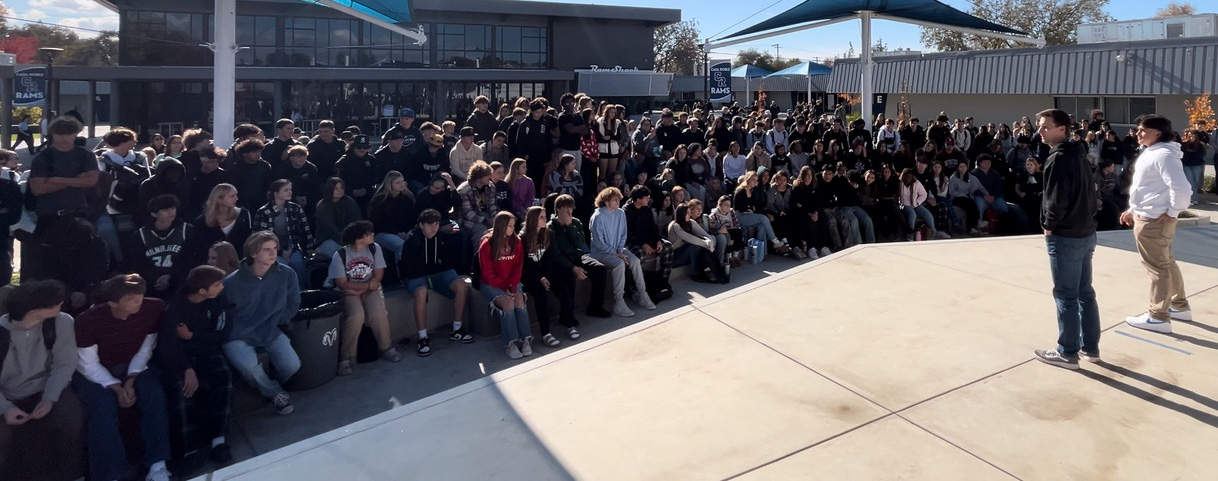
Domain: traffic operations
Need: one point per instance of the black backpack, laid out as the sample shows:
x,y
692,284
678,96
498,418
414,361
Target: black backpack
x,y
48,339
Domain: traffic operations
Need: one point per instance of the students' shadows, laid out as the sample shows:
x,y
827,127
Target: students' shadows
x,y
1205,417
1194,340
1198,325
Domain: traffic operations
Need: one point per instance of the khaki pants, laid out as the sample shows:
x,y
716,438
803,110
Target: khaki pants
x,y
1154,239
366,309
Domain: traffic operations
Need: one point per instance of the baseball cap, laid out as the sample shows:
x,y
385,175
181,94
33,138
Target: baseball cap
x,y
361,141
406,112
395,135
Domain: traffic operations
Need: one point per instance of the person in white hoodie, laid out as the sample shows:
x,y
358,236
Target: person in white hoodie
x,y
1157,196
608,229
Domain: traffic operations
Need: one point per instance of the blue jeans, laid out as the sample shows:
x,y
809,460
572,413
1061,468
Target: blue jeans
x,y
1195,175
765,231
244,359
109,236
999,204
391,242
107,456
513,322
866,230
328,248
297,262
911,218
1078,313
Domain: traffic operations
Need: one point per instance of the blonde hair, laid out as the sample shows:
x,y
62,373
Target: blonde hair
x,y
511,173
211,209
744,180
226,256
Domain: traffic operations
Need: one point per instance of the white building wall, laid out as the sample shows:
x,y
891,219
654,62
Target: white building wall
x,y
1001,109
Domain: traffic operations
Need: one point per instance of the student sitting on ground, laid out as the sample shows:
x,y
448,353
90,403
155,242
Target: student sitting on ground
x,y
573,261
265,295
114,341
695,247
644,239
429,261
193,331
500,259
357,270
41,436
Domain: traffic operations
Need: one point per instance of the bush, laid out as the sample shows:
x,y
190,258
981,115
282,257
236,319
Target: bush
x,y
35,114
1207,184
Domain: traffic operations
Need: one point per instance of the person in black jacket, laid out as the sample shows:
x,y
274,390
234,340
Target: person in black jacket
x,y
276,151
170,178
1068,218
573,261
390,211
533,142
250,174
325,149
306,180
482,120
644,240
429,261
11,203
358,171
535,274
159,251
196,324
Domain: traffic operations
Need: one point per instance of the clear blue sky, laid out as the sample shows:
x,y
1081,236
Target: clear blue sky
x,y
713,16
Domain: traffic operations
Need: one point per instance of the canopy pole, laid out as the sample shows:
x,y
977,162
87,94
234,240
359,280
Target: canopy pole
x,y
865,16
224,84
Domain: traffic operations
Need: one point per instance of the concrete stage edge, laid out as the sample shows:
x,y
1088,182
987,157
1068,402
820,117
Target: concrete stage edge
x,y
890,361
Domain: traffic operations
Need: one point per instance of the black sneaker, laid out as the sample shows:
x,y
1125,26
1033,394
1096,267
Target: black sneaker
x,y
1090,356
283,404
423,349
461,335
221,454
1056,358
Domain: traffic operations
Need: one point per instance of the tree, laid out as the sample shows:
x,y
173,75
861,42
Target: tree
x,y
1200,110
880,46
1175,9
762,59
677,48
25,40
1053,20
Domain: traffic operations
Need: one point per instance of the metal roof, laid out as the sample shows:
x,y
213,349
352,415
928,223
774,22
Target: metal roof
x,y
1183,66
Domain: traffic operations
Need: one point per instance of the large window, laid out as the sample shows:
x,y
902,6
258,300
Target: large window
x,y
521,47
464,46
1079,108
257,35
459,99
382,48
1125,110
159,38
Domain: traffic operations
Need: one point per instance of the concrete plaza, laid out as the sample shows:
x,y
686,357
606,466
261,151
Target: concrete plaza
x,y
890,361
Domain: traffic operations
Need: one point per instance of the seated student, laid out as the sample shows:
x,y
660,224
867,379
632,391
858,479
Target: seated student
x,y
287,220
572,262
535,274
608,227
643,239
159,251
41,436
521,187
749,202
265,295
429,261
695,247
478,205
196,325
114,341
335,210
222,220
392,211
503,191
170,178
500,259
357,271
306,181
251,175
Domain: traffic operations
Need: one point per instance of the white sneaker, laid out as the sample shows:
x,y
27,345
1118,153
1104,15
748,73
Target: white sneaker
x,y
825,252
812,254
513,350
1144,321
620,309
526,347
644,301
161,473
981,224
1181,315
942,235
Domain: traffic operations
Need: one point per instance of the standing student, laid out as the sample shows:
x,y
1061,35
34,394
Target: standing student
x,y
501,258
115,340
357,270
59,178
41,434
1160,191
1068,218
25,135
193,331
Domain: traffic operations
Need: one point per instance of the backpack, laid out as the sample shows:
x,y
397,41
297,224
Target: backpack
x,y
342,255
48,339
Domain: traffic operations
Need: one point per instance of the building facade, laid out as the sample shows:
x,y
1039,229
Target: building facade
x,y
315,63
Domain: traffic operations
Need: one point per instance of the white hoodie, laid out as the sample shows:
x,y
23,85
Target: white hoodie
x,y
1159,185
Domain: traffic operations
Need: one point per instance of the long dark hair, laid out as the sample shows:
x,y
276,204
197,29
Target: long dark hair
x,y
535,233
331,184
680,215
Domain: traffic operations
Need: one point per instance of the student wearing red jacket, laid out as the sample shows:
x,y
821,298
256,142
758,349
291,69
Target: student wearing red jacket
x,y
500,260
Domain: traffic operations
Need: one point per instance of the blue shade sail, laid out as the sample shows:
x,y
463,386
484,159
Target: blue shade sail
x,y
920,10
392,11
749,71
804,68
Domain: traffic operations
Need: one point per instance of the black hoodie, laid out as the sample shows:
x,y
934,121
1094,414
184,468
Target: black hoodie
x,y
1070,197
170,178
422,256
209,321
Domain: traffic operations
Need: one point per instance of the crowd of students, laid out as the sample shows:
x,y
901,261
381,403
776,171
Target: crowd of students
x,y
181,260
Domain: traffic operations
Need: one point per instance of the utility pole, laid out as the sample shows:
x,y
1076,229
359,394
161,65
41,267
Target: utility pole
x,y
777,56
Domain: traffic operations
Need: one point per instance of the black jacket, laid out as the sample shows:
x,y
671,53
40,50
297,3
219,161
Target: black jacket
x,y
423,257
641,227
209,321
1070,197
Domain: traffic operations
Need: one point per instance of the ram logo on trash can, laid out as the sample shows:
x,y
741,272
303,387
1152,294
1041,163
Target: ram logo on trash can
x,y
330,337
720,82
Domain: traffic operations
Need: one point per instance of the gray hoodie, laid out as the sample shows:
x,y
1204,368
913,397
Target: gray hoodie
x,y
29,368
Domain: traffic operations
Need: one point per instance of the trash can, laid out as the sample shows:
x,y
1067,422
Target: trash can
x,y
314,335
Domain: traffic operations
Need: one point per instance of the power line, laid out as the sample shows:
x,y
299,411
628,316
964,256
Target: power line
x,y
729,27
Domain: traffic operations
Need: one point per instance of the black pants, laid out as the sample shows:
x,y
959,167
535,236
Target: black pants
x,y
51,448
815,235
787,227
195,421
26,137
562,284
970,210
6,257
67,249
